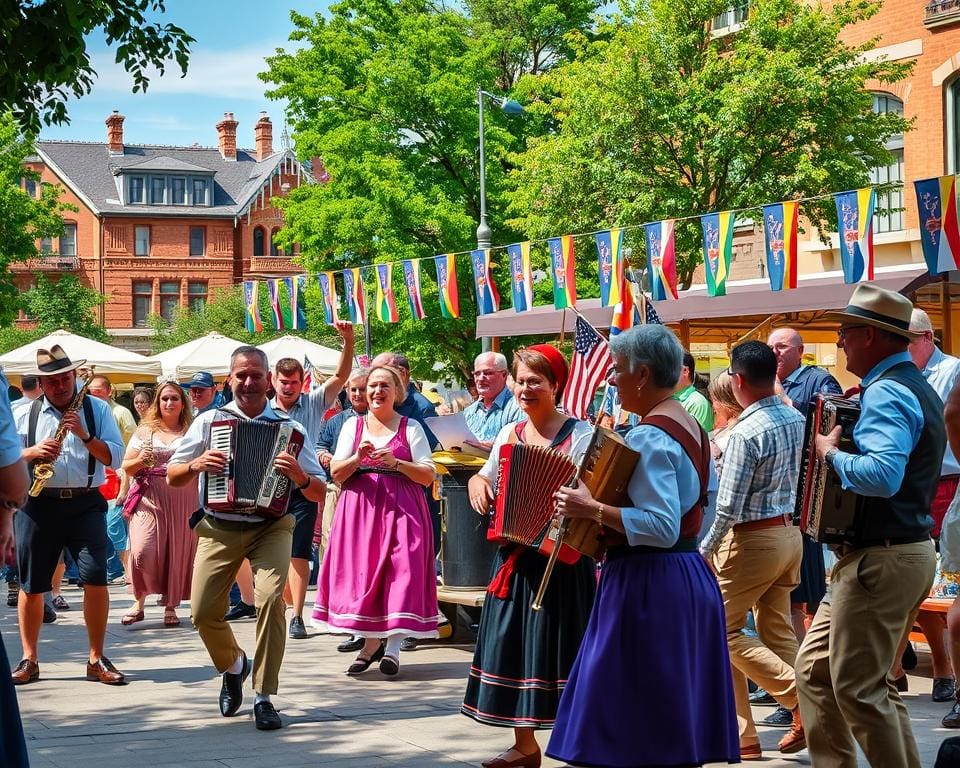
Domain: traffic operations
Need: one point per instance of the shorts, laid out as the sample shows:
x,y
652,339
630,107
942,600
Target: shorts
x,y
46,526
305,514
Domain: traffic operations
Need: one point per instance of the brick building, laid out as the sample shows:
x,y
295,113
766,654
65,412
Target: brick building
x,y
159,228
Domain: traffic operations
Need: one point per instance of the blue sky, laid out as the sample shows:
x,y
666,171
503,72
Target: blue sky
x,y
233,37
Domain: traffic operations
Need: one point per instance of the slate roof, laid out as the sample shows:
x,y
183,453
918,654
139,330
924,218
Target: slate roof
x,y
93,173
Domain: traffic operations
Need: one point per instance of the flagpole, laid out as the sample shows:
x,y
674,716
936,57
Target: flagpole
x,y
563,326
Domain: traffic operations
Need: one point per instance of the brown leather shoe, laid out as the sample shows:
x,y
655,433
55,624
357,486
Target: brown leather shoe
x,y
26,672
102,671
795,740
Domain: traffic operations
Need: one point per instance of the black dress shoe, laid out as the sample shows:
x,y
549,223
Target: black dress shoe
x,y
408,644
231,691
350,645
760,696
944,689
241,610
952,718
781,718
266,716
297,630
362,665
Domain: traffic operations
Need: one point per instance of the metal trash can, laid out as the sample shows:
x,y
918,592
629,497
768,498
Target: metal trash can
x,y
465,553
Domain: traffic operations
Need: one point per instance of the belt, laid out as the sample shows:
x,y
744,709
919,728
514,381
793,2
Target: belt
x,y
853,546
682,545
767,522
65,493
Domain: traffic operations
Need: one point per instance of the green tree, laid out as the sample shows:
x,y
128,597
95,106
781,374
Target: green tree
x,y
45,57
659,119
65,303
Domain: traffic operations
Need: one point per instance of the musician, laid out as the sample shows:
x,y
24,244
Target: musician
x,y
226,538
69,512
881,577
496,405
516,645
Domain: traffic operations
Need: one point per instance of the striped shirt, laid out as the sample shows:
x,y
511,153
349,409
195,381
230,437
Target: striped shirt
x,y
761,467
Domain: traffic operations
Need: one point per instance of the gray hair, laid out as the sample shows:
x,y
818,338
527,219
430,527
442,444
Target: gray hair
x,y
920,320
248,351
499,360
358,373
654,346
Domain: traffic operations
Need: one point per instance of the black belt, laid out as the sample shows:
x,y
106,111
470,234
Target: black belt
x,y
682,545
853,546
65,493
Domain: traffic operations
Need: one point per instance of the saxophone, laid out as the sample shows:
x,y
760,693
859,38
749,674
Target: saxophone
x,y
43,470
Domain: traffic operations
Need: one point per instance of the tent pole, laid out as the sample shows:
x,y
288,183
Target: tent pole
x,y
685,334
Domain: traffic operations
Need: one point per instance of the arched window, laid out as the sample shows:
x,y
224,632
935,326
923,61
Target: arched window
x,y
274,250
258,241
953,125
889,204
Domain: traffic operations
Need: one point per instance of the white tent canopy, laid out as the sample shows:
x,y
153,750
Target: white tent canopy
x,y
323,359
121,365
209,353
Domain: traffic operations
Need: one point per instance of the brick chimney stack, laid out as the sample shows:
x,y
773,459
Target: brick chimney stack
x,y
115,133
263,137
227,136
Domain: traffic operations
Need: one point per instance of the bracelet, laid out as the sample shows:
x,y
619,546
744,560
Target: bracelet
x,y
88,439
396,464
305,485
598,514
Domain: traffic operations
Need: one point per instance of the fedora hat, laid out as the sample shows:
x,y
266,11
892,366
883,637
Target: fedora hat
x,y
52,361
880,308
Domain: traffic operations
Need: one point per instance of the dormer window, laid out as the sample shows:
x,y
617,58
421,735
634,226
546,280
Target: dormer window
x,y
200,192
158,185
136,189
166,181
178,191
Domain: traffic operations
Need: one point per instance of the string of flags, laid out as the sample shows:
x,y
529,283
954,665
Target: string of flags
x,y
940,236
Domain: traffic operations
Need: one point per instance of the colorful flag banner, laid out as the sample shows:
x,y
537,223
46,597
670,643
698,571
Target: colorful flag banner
x,y
328,294
780,227
411,277
298,303
588,368
521,276
625,314
446,266
855,227
386,305
610,266
939,230
353,293
561,264
717,249
250,290
488,300
288,308
274,287
661,259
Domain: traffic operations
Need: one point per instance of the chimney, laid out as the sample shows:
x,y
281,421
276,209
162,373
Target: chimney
x,y
227,136
263,137
115,133
319,170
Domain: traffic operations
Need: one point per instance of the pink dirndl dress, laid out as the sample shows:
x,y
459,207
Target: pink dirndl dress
x,y
378,576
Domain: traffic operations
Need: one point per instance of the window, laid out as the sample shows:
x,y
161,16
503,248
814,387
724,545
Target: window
x,y
46,245
169,299
142,301
258,241
30,187
158,186
142,241
178,191
136,189
199,191
196,296
889,216
736,14
274,250
198,237
953,126
68,240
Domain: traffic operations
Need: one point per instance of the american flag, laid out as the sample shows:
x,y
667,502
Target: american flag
x,y
650,314
307,375
591,361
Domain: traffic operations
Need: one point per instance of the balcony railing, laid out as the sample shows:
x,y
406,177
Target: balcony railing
x,y
941,12
49,262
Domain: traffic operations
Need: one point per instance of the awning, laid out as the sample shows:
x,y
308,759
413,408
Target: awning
x,y
209,353
323,359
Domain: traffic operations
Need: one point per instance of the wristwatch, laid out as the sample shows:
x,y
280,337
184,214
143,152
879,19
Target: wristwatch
x,y
828,456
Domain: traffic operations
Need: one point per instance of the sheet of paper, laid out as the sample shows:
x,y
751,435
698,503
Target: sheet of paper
x,y
452,432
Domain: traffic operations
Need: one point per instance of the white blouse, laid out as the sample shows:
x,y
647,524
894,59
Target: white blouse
x,y
580,441
416,439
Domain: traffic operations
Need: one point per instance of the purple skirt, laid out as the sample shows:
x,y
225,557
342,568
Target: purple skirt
x,y
651,685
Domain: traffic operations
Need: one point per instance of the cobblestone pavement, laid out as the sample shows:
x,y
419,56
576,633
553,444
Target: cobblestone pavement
x,y
168,716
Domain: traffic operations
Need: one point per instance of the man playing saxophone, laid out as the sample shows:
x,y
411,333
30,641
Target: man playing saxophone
x,y
67,511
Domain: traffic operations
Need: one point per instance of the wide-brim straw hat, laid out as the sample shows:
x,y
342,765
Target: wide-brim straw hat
x,y
53,361
880,308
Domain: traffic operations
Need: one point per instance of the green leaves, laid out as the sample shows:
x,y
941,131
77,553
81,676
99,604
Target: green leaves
x,y
65,303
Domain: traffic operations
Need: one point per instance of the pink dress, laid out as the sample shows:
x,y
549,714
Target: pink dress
x,y
378,576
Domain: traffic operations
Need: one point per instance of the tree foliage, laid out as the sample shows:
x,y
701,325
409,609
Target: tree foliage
x,y
45,56
64,303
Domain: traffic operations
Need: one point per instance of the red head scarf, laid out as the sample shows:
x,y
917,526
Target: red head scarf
x,y
557,363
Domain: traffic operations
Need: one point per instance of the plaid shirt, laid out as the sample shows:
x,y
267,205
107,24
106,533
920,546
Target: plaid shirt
x,y
761,466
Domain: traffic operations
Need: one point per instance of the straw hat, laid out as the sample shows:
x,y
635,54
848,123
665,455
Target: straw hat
x,y
880,308
53,361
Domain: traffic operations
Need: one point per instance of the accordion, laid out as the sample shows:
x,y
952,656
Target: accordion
x,y
250,485
527,478
828,513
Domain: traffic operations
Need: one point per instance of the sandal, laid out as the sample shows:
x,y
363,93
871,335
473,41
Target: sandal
x,y
170,619
132,618
362,664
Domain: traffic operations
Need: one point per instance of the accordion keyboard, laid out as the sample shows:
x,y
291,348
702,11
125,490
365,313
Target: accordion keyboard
x,y
218,485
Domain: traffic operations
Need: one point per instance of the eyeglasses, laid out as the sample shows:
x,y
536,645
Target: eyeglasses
x,y
842,332
478,374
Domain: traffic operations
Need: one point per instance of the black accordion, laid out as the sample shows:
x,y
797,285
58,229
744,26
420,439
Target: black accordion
x,y
250,485
828,513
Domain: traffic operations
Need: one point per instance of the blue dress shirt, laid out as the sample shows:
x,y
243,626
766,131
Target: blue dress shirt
x,y
807,381
10,448
486,423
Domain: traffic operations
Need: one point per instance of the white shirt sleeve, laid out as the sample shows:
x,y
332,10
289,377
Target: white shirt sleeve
x,y
135,442
344,448
489,470
419,447
193,443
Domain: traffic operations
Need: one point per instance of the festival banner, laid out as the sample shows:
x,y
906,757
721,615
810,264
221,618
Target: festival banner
x,y
274,287
625,314
446,266
562,270
328,294
250,291
855,227
610,266
780,228
298,303
353,293
661,259
939,230
717,249
488,300
411,277
288,308
521,276
386,305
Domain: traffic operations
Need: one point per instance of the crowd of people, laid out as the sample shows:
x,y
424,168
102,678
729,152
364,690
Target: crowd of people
x,y
707,586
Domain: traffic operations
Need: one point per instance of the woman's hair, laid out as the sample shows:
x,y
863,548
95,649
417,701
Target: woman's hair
x,y
539,364
143,392
401,393
151,417
654,346
720,391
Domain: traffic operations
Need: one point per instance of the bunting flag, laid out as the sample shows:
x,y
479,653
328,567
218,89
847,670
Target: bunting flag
x,y
488,300
447,284
386,306
717,249
299,303
328,295
411,277
661,259
780,227
288,308
353,293
625,314
610,266
939,230
561,267
250,290
855,226
521,276
274,287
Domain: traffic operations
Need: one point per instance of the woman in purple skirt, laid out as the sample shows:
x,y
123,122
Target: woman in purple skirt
x,y
651,685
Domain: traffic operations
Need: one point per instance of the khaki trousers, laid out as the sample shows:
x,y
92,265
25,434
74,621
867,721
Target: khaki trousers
x,y
329,508
843,668
758,569
222,546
